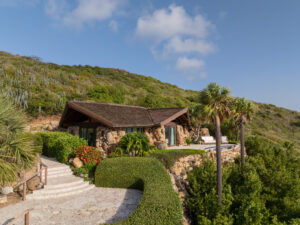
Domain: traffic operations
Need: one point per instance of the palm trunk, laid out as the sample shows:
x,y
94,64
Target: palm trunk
x,y
242,127
219,159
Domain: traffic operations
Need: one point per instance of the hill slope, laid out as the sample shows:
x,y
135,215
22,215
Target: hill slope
x,y
43,88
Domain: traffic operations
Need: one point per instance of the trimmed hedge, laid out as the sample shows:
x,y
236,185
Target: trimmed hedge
x,y
160,204
60,145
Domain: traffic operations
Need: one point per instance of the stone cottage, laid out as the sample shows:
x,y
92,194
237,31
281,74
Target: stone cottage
x,y
103,125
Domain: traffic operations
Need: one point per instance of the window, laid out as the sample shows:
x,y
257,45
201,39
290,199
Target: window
x,y
130,130
88,134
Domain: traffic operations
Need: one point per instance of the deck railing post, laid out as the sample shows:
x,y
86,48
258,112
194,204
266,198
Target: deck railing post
x,y
27,218
41,172
46,173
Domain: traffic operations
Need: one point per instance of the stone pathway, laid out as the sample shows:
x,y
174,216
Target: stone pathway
x,y
61,202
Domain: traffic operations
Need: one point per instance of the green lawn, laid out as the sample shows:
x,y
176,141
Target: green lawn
x,y
160,204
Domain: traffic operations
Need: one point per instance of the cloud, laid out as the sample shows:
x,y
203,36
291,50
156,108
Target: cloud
x,y
186,64
86,11
114,26
174,33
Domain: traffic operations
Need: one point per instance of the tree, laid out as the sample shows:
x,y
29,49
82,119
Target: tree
x,y
17,151
243,111
197,117
216,102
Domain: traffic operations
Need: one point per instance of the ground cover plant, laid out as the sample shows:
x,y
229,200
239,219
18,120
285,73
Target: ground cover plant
x,y
265,191
160,204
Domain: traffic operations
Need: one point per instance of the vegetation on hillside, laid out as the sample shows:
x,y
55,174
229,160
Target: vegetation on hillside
x,y
265,191
43,88
160,204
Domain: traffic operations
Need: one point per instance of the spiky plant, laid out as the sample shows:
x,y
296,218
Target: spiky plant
x,y
216,102
16,151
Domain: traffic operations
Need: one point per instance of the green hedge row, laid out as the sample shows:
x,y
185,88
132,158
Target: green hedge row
x,y
60,145
160,204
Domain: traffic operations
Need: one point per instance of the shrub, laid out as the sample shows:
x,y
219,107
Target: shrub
x,y
88,154
188,141
160,204
60,145
135,144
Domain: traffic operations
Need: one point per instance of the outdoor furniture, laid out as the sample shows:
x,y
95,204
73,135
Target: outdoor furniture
x,y
208,140
224,140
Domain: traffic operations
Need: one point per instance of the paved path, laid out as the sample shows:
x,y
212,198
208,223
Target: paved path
x,y
84,206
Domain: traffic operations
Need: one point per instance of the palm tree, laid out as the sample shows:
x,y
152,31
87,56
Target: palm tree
x,y
216,102
17,152
197,117
243,111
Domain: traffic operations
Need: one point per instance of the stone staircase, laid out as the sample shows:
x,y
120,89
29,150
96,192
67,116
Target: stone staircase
x,y
60,182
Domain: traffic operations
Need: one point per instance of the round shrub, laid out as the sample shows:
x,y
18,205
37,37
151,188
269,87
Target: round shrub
x,y
135,144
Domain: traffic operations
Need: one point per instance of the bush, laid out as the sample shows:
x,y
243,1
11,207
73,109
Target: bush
x,y
60,145
188,141
88,154
160,204
135,144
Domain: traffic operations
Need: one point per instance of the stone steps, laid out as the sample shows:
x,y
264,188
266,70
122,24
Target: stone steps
x,y
60,182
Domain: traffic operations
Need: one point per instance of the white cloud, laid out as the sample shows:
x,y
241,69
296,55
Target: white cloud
x,y
176,34
164,24
186,64
86,11
114,26
179,45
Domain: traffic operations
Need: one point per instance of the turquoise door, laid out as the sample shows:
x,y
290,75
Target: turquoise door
x,y
170,134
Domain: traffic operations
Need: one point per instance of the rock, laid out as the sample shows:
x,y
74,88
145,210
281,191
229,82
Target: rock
x,y
33,183
159,145
77,163
6,190
27,129
71,160
19,188
110,138
54,123
204,132
3,199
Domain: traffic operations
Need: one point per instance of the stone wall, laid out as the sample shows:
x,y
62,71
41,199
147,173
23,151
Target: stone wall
x,y
182,134
107,138
178,172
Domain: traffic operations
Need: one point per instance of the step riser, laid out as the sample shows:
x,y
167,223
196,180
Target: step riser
x,y
60,190
58,195
59,172
56,186
58,175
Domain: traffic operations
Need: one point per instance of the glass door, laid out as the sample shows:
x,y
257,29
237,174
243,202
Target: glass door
x,y
170,134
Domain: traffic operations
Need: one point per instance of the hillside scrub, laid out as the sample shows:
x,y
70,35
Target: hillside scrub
x,y
160,204
266,191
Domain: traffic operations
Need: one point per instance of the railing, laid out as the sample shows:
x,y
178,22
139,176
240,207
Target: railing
x,y
39,172
26,217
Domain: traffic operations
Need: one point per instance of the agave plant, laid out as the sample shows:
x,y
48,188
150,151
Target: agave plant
x,y
16,150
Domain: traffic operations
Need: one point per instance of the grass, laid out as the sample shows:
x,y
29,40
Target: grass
x,y
169,157
160,204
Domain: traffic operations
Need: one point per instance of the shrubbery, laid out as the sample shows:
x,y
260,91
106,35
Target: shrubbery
x,y
135,144
60,145
266,191
160,204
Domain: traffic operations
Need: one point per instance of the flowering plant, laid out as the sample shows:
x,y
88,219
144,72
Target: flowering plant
x,y
88,154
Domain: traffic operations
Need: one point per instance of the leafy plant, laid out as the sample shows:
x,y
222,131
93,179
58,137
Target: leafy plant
x,y
135,144
188,141
88,154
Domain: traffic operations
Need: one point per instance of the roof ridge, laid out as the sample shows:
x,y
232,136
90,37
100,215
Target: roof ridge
x,y
112,104
169,108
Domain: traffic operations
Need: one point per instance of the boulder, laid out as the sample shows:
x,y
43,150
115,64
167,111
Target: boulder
x,y
7,190
71,160
77,163
33,183
204,132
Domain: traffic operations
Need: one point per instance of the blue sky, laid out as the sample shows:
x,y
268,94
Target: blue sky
x,y
252,47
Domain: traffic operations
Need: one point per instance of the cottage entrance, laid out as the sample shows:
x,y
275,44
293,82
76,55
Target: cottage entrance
x,y
170,134
89,134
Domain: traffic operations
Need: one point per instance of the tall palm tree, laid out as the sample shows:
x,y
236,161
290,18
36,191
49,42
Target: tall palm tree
x,y
243,111
216,102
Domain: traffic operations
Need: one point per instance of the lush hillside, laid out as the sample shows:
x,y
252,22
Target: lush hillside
x,y
42,89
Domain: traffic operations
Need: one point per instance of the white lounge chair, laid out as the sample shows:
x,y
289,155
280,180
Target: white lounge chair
x,y
208,140
224,140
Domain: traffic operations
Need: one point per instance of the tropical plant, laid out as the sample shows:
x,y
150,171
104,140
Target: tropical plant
x,y
216,102
197,117
135,144
243,111
17,151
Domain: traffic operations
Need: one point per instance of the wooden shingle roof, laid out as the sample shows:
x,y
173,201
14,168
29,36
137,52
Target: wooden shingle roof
x,y
116,115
